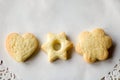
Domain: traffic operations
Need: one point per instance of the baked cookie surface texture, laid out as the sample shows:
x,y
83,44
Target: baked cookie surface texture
x,y
21,47
56,46
93,45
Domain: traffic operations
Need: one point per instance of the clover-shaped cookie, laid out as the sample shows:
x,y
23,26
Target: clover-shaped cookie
x,y
94,45
56,46
21,47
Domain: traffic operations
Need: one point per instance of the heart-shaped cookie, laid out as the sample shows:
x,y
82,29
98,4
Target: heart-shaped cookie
x,y
21,47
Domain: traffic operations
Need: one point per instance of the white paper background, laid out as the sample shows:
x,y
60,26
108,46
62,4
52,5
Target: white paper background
x,y
71,16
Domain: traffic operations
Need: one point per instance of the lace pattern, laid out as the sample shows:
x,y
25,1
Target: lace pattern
x,y
5,73
114,74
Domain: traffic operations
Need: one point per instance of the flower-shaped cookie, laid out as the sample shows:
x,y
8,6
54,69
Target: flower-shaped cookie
x,y
94,45
56,46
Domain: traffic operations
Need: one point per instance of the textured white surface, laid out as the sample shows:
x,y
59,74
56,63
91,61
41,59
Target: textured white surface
x,y
71,16
6,73
114,74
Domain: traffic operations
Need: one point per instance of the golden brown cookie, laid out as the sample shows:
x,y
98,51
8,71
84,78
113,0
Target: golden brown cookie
x,y
21,47
56,46
93,45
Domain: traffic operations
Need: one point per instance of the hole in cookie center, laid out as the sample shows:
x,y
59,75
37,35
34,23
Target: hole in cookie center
x,y
57,45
